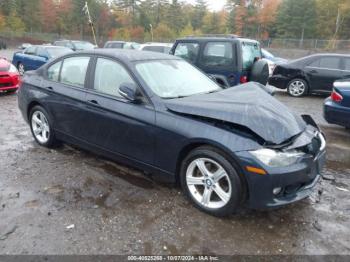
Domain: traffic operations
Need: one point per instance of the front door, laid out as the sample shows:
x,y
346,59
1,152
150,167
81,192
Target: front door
x,y
116,124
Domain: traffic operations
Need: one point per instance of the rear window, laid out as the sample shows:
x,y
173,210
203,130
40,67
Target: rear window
x,y
218,54
158,49
250,52
115,45
327,63
187,51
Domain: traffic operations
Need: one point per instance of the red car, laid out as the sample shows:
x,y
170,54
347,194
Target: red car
x,y
9,76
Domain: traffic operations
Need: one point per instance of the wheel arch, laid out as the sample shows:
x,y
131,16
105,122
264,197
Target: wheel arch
x,y
31,105
219,148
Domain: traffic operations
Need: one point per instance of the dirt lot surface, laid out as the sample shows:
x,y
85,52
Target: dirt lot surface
x,y
68,201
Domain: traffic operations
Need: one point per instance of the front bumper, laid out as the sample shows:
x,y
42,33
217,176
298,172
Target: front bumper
x,y
335,113
279,81
9,81
296,182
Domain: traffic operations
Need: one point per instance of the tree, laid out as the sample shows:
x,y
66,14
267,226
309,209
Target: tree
x,y
175,18
296,19
267,17
199,13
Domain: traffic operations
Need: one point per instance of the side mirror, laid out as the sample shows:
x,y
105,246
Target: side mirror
x,y
129,92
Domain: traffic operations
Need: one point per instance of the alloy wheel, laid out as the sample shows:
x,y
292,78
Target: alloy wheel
x,y
297,88
208,183
21,69
40,126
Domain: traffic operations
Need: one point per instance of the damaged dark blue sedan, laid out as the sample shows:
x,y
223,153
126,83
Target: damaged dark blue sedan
x,y
227,147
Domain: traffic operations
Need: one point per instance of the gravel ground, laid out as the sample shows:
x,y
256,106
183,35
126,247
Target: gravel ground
x,y
117,210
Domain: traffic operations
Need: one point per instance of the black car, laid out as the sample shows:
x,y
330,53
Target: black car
x,y
156,112
312,74
75,45
228,59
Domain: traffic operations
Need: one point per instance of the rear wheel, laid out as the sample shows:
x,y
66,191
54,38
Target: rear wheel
x,y
211,182
20,68
41,127
297,87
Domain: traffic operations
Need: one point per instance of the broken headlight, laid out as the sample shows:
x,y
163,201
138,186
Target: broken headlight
x,y
275,158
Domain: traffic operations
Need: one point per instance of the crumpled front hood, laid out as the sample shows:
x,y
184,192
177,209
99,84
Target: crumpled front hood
x,y
245,105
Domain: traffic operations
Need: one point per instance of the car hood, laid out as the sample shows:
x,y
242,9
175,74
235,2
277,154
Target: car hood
x,y
247,106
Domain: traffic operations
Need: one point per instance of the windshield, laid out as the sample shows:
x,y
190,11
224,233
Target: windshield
x,y
55,52
175,78
83,46
251,51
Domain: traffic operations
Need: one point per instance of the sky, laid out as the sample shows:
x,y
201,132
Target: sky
x,y
215,5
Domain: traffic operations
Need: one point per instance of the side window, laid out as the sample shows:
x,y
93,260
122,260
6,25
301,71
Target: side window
x,y
315,63
330,62
42,52
30,50
250,51
347,64
74,71
109,76
187,51
53,72
218,54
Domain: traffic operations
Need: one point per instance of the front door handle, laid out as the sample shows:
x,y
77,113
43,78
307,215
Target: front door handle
x,y
313,71
93,102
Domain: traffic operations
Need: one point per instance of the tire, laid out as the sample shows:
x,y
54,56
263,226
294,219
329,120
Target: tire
x,y
41,127
202,190
260,72
297,87
21,68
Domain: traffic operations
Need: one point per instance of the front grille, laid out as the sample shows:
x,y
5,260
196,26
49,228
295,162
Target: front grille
x,y
5,85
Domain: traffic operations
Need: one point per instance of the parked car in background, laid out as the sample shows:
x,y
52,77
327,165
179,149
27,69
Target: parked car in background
x,y
337,106
227,147
121,45
229,60
311,74
272,60
35,56
75,45
24,46
156,47
9,76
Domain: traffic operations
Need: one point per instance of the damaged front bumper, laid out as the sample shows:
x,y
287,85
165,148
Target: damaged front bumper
x,y
285,185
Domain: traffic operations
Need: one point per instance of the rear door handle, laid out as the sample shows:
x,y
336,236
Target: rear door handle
x,y
49,87
93,102
313,71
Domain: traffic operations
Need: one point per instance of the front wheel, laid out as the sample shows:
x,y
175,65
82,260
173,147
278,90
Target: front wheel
x,y
41,127
211,182
20,68
297,88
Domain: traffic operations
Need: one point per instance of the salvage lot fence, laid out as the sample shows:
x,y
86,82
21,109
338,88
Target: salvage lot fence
x,y
306,44
15,38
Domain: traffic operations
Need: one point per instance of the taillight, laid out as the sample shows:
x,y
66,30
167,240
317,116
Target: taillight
x,y
243,79
336,97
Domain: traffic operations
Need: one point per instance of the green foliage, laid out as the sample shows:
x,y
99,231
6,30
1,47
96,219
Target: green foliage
x,y
296,19
169,19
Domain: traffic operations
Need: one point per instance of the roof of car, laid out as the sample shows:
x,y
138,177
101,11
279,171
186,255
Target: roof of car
x,y
216,38
131,55
329,54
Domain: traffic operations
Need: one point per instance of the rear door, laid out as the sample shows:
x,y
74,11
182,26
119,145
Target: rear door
x,y
346,67
66,81
322,73
116,124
